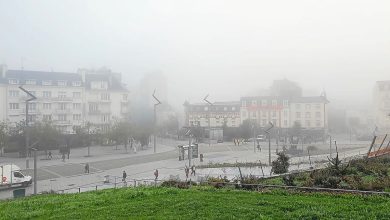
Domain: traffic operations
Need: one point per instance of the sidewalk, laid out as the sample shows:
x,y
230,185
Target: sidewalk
x,y
97,153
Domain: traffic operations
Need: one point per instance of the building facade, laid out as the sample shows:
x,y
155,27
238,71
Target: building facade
x,y
220,114
68,100
381,106
309,112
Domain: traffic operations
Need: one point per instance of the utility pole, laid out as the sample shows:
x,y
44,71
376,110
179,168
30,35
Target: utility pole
x,y
330,146
209,116
269,142
155,120
35,171
254,138
26,131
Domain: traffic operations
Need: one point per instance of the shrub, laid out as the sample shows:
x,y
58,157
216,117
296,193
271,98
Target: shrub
x,y
289,180
281,164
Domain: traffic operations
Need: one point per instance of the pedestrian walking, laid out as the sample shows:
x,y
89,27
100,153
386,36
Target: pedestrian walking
x,y
193,170
156,174
186,170
86,168
50,156
63,157
124,175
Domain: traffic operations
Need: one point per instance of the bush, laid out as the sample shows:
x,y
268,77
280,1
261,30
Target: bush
x,y
281,164
288,180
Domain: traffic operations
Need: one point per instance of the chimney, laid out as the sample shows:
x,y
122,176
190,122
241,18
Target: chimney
x,y
3,70
82,73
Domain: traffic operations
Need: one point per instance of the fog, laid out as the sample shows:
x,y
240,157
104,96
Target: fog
x,y
223,48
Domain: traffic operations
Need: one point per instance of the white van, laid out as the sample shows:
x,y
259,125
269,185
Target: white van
x,y
11,175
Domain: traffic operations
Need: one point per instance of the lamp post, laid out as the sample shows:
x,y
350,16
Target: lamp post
x,y
32,97
35,171
155,120
209,116
269,142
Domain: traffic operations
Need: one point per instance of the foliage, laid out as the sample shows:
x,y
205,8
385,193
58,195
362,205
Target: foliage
x,y
281,164
4,135
336,166
196,203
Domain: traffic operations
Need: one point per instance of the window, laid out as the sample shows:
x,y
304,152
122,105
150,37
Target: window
x,y
273,113
308,106
274,103
32,106
76,94
254,114
254,102
18,175
76,83
285,113
297,114
274,122
243,103
105,96
105,118
13,105
244,114
264,102
318,106
46,82
285,122
264,122
285,103
47,117
298,106
13,81
46,94
32,118
77,117
264,114
13,93
46,105
61,83
307,123
233,108
225,108
318,123
61,94
93,107
61,117
76,105
31,82
307,115
62,106
318,114
124,97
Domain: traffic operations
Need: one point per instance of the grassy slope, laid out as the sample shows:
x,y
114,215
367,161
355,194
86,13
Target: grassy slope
x,y
203,203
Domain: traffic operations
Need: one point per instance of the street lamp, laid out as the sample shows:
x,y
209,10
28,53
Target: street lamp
x,y
155,120
269,142
35,170
209,116
32,97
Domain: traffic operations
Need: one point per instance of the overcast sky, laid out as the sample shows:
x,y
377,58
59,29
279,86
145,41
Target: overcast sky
x,y
225,48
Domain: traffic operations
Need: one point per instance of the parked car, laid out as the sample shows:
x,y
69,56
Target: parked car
x,y
220,141
11,175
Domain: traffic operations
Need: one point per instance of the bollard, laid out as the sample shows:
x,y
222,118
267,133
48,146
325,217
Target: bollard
x,y
96,187
79,190
135,183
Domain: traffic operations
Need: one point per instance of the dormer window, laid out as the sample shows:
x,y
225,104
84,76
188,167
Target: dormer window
x,y
31,82
13,81
61,83
46,83
76,83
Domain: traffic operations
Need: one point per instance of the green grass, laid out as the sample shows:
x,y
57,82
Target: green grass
x,y
196,203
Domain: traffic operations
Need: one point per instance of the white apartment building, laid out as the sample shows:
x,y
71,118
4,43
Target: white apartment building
x,y
219,113
67,100
309,112
382,106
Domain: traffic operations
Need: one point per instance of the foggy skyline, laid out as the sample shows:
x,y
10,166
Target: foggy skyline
x,y
226,49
